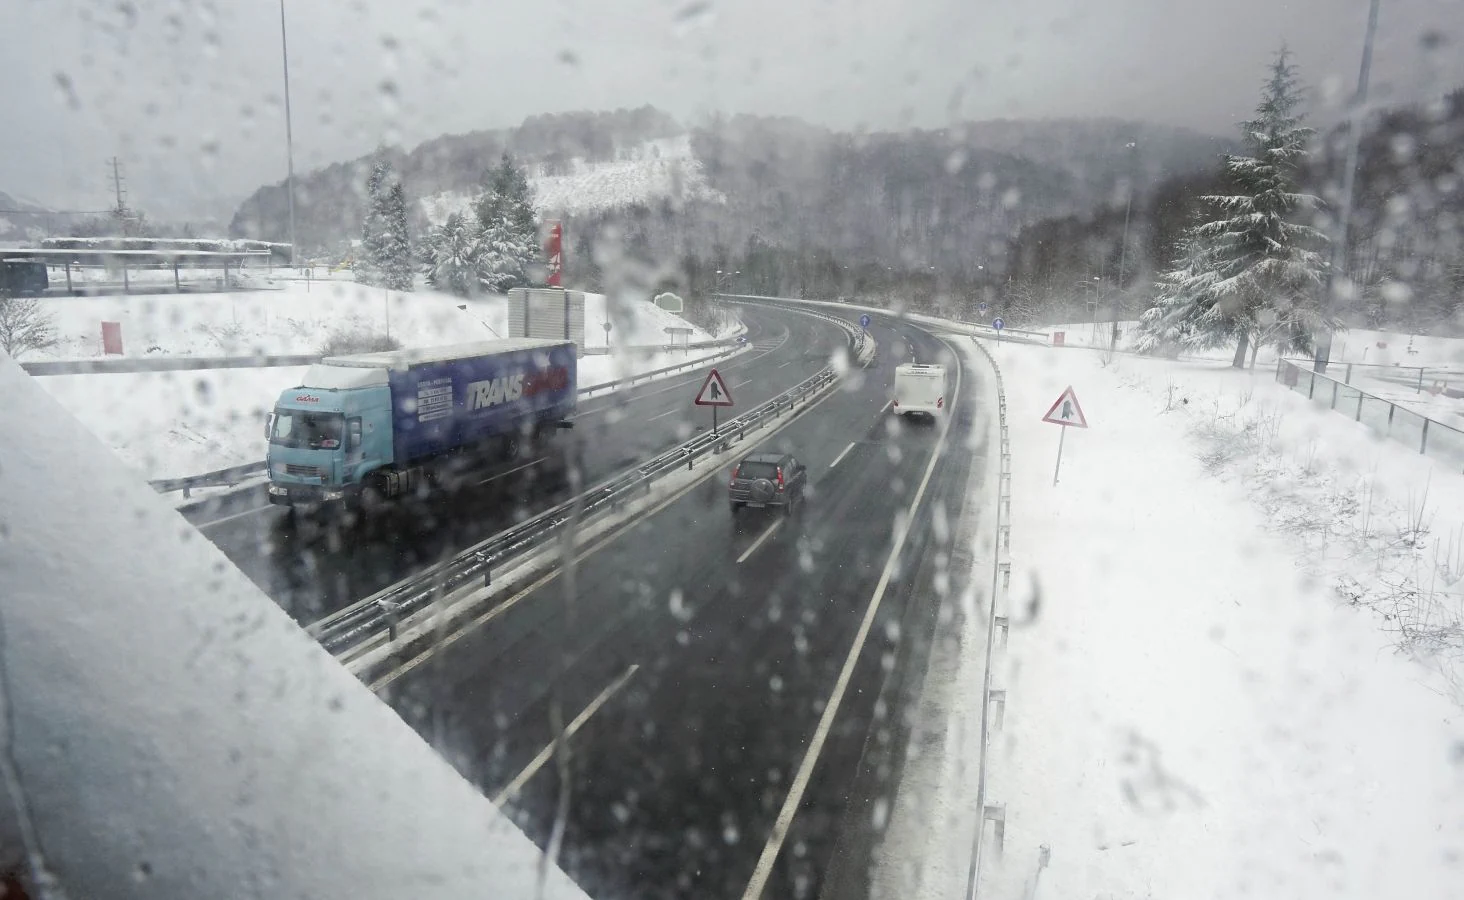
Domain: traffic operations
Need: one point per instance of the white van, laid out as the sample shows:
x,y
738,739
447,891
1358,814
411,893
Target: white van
x,y
919,390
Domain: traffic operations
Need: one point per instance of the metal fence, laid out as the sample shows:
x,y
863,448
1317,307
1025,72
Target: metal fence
x,y
1428,436
1416,377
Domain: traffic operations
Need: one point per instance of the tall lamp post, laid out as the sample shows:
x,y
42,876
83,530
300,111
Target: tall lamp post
x,y
289,134
1123,248
1349,178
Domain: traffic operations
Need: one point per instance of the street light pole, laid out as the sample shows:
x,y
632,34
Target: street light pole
x,y
1349,179
1123,249
289,134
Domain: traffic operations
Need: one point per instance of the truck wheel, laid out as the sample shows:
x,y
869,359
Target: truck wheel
x,y
373,493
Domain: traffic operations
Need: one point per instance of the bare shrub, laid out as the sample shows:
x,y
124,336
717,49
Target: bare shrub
x,y
25,325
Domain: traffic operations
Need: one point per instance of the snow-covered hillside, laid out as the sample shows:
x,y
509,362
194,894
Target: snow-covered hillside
x,y
656,170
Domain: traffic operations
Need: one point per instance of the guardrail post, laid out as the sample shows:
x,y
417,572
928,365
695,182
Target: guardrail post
x,y
1360,395
187,492
1420,381
1347,376
1423,443
1392,407
1334,395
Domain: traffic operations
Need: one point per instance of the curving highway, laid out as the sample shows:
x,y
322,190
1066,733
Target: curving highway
x,y
717,706
313,568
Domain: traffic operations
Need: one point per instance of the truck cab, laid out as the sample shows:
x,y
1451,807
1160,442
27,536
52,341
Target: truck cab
x,y
328,435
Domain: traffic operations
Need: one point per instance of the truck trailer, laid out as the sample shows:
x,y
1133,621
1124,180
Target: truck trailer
x,y
377,425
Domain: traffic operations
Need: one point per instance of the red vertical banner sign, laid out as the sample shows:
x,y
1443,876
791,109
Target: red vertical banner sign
x,y
554,250
112,338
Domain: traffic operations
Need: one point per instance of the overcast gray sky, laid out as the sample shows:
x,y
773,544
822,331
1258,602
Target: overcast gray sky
x,y
189,93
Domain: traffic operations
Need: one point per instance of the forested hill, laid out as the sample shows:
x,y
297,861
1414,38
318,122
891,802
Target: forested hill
x,y
949,197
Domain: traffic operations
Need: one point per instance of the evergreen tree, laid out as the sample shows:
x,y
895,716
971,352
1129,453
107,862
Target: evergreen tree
x,y
509,231
1251,272
396,260
504,257
367,265
507,195
453,253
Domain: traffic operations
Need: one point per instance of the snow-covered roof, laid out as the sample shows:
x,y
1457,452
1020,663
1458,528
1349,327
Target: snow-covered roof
x,y
341,378
401,360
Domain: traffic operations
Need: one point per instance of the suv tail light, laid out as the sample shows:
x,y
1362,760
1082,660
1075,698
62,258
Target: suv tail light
x,y
780,478
939,402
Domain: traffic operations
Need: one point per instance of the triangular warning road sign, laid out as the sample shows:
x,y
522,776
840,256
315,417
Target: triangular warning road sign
x,y
714,391
1066,411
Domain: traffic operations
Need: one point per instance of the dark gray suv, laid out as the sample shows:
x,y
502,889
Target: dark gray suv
x,y
768,479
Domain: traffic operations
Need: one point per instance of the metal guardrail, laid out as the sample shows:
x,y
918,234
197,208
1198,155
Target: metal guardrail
x,y
1001,577
219,478
1016,335
380,615
234,474
1431,436
131,364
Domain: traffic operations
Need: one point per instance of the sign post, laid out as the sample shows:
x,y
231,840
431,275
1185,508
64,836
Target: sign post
x,y
713,393
1068,413
998,324
864,321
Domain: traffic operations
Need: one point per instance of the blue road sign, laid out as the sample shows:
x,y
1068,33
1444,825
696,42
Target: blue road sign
x,y
864,321
998,324
981,307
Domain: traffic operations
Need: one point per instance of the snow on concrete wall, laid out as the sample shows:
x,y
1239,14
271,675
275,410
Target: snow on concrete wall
x,y
174,735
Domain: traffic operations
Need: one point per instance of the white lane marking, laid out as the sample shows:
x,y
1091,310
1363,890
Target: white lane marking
x,y
747,382
513,470
887,405
665,414
238,515
786,364
842,454
547,753
831,709
759,542
589,550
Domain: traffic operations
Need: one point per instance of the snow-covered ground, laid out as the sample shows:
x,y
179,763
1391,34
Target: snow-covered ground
x,y
664,169
174,424
1234,660
171,732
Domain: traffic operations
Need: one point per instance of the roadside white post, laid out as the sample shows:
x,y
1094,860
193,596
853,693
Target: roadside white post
x,y
1068,413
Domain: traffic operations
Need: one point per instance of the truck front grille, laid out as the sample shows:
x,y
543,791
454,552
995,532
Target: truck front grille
x,y
303,471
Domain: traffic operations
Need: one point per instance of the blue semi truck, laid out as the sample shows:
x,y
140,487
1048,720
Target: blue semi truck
x,y
378,425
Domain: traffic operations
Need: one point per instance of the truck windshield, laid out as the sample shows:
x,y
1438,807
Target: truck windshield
x,y
317,431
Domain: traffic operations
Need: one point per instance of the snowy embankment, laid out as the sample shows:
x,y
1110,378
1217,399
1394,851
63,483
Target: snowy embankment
x,y
171,733
175,424
1203,693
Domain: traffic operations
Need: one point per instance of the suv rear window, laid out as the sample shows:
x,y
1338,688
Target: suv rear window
x,y
752,470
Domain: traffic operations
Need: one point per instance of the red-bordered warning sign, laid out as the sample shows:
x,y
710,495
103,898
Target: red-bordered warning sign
x,y
714,391
1066,411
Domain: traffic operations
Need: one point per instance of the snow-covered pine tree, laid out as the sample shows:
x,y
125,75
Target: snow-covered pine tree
x,y
396,261
367,264
505,257
453,253
1251,272
510,232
